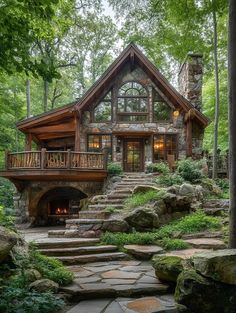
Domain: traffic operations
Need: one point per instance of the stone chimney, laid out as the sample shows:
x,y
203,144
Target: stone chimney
x,y
190,79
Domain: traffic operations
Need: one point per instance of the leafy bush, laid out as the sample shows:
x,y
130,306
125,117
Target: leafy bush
x,y
169,180
6,193
121,239
190,170
51,268
114,169
195,222
174,244
142,198
21,300
6,220
161,168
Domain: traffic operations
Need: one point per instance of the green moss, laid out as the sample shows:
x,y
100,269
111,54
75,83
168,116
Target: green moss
x,y
173,244
167,268
142,198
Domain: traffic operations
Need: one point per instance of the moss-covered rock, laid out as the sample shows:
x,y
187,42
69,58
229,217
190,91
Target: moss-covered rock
x,y
200,294
167,268
44,285
143,219
8,239
218,265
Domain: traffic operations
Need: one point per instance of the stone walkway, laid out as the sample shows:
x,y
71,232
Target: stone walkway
x,y
161,304
114,279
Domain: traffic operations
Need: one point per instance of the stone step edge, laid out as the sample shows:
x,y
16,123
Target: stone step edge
x,y
87,258
88,241
86,249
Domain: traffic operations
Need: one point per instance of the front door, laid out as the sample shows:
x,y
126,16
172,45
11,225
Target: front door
x,y
133,155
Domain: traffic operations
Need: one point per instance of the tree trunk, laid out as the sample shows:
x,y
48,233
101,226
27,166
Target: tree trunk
x,y
217,99
45,96
28,102
232,123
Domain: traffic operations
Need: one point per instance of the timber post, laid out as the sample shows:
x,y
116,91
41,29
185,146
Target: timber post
x,y
7,152
43,154
68,163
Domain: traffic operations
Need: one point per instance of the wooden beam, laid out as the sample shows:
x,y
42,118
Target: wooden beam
x,y
77,133
65,127
189,142
28,142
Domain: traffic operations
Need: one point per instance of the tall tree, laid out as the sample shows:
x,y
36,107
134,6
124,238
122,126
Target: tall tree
x,y
232,119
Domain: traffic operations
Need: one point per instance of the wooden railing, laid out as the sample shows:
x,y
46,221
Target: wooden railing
x,y
56,160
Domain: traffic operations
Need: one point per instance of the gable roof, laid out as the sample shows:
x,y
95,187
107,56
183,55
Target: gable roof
x,y
133,55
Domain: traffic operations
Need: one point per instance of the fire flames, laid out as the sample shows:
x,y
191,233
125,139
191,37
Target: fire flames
x,y
60,211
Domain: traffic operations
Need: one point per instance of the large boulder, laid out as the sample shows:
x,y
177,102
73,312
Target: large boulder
x,y
32,275
167,268
145,188
199,294
186,190
44,285
115,225
218,265
8,240
143,219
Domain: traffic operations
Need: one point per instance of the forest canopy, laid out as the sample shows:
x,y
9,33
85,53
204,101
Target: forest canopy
x,y
51,52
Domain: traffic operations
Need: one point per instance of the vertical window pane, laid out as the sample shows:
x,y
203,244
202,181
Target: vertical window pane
x,y
163,146
159,147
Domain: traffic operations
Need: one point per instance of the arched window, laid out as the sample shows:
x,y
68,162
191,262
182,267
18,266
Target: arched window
x,y
132,105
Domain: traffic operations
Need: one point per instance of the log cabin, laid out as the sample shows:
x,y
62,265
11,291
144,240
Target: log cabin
x,y
131,115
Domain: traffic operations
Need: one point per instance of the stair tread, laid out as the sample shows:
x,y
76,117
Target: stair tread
x,y
89,258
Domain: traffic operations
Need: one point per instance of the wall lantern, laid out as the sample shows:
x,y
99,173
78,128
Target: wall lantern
x,y
119,140
176,114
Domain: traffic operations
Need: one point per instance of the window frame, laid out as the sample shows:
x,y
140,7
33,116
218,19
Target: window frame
x,y
138,113
153,111
165,150
92,120
100,141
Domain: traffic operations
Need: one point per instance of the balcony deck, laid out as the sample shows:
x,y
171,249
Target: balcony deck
x,y
55,165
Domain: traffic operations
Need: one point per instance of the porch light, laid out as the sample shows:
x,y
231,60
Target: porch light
x,y
176,114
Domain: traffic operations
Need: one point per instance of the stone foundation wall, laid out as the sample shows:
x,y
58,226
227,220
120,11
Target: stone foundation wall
x,y
27,202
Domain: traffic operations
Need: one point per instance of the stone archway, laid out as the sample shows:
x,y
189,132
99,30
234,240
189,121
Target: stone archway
x,y
57,204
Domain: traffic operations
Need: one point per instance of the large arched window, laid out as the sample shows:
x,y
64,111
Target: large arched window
x,y
132,105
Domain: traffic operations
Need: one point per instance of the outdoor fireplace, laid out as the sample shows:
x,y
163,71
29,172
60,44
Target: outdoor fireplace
x,y
59,204
59,207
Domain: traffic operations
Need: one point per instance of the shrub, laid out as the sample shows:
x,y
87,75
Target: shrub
x,y
190,170
161,168
6,193
6,220
121,239
174,244
195,222
51,268
142,198
114,169
169,180
14,300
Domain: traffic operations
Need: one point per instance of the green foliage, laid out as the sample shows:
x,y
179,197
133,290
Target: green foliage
x,y
174,244
6,193
190,170
161,168
6,220
223,183
139,199
114,169
51,268
169,180
121,239
192,223
195,222
21,300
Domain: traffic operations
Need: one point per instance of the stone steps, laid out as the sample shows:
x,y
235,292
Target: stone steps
x,y
111,201
78,251
65,243
118,196
104,206
94,214
89,258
